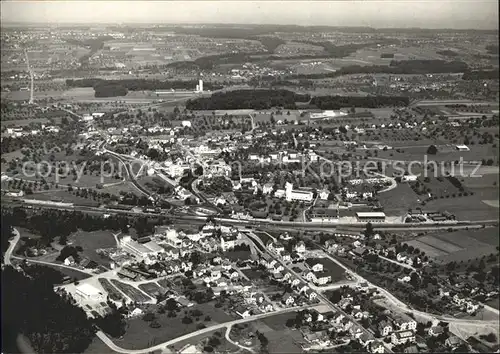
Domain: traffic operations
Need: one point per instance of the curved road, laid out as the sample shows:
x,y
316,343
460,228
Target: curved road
x,y
13,242
118,349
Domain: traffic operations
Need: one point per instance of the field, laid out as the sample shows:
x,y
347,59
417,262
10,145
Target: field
x,y
398,200
63,196
237,255
281,339
470,207
72,273
458,245
264,237
152,289
91,241
114,294
22,122
139,335
130,291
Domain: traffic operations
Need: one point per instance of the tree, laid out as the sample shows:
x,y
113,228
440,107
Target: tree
x,y
432,150
155,324
43,316
368,230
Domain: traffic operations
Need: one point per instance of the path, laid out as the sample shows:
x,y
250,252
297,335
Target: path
x,y
228,332
12,245
54,265
404,265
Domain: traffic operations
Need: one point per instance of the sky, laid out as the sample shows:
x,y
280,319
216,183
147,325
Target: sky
x,y
466,14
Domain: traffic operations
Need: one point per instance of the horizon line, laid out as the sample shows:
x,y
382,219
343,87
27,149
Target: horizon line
x,y
76,24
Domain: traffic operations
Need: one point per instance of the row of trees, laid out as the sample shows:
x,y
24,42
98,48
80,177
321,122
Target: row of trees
x,y
141,84
481,75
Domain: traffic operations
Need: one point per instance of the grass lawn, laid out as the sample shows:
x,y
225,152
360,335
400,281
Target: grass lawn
x,y
74,274
152,289
224,347
264,237
139,335
277,323
494,303
237,255
467,208
91,241
398,200
281,339
98,347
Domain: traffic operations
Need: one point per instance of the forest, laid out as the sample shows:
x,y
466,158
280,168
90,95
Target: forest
x,y
481,75
140,84
404,67
248,99
50,321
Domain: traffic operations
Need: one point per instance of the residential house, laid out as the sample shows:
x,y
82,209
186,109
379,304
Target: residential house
x,y
267,188
403,337
286,257
404,322
405,279
243,312
302,288
314,265
300,247
365,339
359,315
385,328
376,347
288,300
319,278
227,241
311,295
436,331
277,268
267,307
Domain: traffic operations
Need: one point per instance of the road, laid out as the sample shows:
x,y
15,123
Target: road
x,y
404,265
317,289
206,330
228,332
129,172
12,244
404,307
54,265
